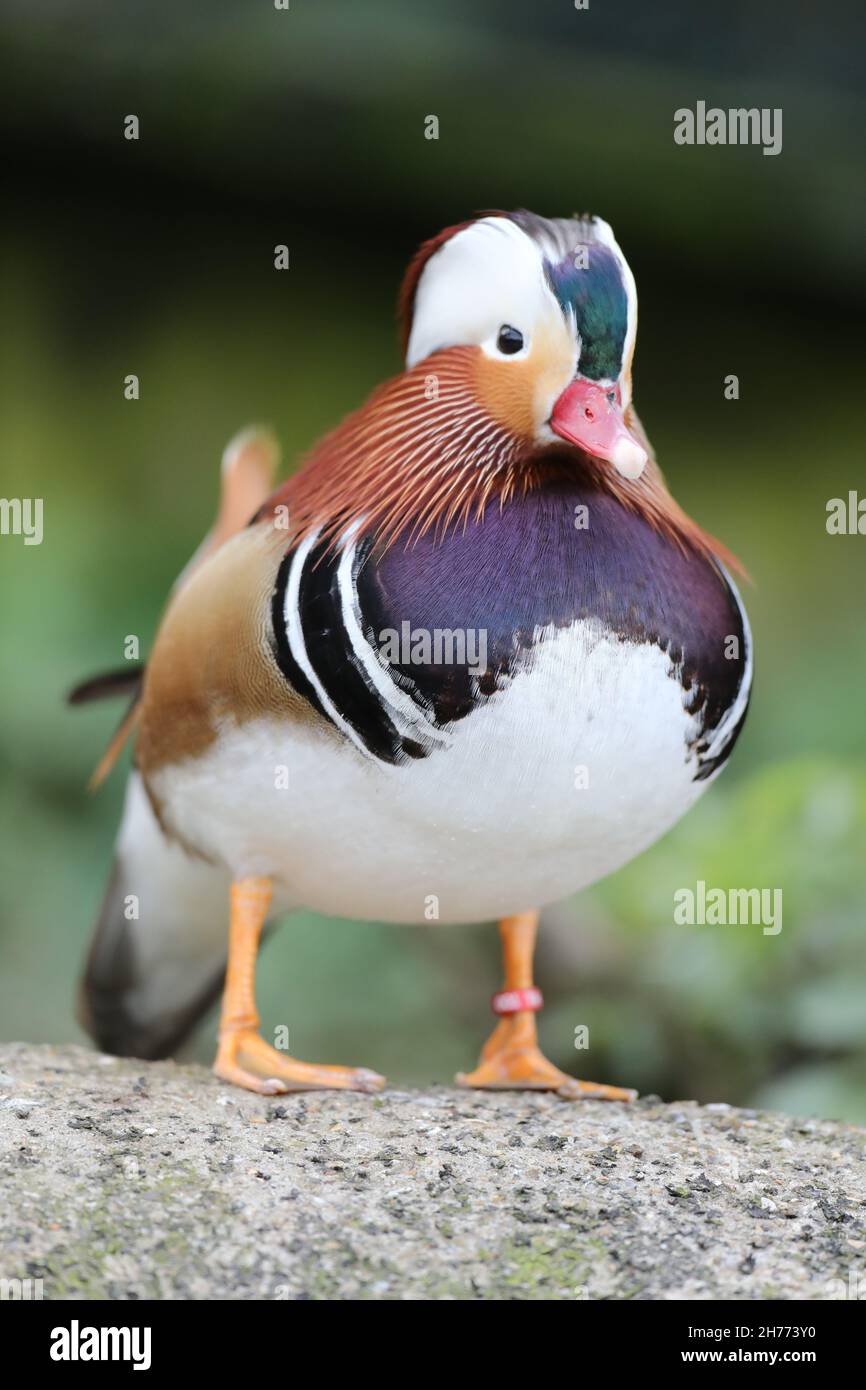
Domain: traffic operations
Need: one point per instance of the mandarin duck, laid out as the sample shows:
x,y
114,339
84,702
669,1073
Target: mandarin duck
x,y
469,659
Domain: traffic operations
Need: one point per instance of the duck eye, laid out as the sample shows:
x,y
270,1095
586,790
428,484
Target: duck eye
x,y
510,339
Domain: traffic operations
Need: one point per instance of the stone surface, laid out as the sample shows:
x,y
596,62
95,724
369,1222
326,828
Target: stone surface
x,y
125,1179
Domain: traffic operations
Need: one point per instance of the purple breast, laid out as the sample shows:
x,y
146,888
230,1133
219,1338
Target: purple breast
x,y
530,565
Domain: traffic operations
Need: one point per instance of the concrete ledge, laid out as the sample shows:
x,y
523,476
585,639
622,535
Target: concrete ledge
x,y
125,1179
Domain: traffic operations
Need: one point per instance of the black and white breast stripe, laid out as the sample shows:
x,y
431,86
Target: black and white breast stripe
x,y
716,746
518,577
326,650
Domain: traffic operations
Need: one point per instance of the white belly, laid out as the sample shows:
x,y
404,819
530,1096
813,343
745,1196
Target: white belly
x,y
563,776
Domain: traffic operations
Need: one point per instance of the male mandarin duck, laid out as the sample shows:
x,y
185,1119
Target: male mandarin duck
x,y
302,740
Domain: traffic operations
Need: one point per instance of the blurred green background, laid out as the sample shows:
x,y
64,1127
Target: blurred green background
x,y
306,127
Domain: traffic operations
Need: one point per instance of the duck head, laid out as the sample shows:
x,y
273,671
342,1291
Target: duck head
x,y
519,333
549,309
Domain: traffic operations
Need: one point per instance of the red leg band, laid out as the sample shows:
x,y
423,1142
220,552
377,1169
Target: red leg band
x,y
517,1001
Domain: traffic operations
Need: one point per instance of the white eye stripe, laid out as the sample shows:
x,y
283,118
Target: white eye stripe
x,y
494,273
489,275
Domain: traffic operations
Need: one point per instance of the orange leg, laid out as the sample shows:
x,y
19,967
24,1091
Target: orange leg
x,y
511,1058
243,1057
